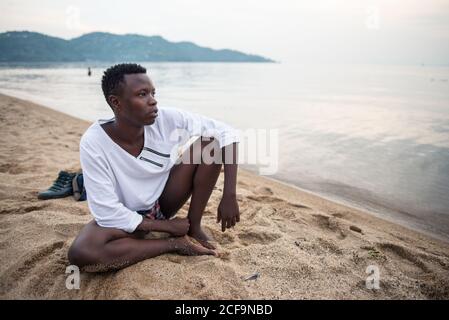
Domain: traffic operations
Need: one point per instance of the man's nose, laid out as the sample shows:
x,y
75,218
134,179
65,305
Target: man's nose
x,y
152,101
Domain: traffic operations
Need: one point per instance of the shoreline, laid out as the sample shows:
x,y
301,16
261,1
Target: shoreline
x,y
378,210
303,245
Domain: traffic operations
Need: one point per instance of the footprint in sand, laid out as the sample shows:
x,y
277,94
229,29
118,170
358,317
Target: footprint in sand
x,y
441,259
403,253
373,253
329,246
68,229
11,168
287,215
330,224
35,207
273,207
23,209
339,215
257,237
264,191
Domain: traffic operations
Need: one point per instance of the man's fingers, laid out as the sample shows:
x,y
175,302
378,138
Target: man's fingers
x,y
228,222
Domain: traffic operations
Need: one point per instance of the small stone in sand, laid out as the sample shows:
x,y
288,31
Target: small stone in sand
x,y
356,229
253,276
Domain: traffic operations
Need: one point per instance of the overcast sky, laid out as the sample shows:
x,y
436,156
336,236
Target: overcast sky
x,y
342,31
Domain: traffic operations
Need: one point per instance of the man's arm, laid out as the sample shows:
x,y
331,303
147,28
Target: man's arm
x,y
102,199
228,209
176,227
229,158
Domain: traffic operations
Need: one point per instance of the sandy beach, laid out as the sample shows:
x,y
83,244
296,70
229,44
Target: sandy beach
x,y
302,246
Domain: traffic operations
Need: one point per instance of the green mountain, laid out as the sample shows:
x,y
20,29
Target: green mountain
x,y
24,46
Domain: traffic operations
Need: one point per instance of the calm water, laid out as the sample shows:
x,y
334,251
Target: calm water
x,y
375,137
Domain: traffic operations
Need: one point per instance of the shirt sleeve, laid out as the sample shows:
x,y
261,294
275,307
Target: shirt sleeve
x,y
199,125
102,199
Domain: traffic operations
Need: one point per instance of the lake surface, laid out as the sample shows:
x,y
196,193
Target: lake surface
x,y
374,137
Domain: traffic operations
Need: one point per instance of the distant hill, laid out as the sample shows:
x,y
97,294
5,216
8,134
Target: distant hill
x,y
24,46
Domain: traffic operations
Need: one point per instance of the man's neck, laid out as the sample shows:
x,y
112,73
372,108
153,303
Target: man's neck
x,y
126,132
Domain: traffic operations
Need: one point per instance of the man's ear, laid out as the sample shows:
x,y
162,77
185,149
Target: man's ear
x,y
114,102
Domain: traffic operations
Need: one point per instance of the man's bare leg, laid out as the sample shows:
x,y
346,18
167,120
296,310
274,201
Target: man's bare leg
x,y
195,180
203,184
102,249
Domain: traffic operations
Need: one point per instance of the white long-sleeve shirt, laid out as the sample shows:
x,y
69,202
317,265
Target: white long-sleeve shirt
x,y
119,184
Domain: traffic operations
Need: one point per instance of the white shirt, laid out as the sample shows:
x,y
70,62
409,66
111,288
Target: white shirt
x,y
119,184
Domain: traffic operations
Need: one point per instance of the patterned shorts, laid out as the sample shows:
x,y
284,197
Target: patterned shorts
x,y
154,213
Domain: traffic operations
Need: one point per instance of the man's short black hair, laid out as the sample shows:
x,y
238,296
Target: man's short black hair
x,y
114,75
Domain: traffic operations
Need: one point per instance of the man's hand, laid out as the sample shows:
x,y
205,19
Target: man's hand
x,y
228,212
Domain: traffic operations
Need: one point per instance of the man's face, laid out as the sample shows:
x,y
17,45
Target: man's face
x,y
136,100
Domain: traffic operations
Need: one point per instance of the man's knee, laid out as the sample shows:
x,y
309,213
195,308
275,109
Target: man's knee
x,y
203,150
207,151
80,255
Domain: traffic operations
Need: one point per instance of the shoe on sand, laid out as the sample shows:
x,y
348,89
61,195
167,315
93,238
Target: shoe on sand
x,y
62,187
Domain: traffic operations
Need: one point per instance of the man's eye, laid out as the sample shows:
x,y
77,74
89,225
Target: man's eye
x,y
142,94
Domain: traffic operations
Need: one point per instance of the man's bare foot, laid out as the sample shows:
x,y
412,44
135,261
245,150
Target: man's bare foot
x,y
201,237
186,246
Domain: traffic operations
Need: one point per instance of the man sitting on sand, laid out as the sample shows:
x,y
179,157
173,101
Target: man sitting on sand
x,y
135,183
